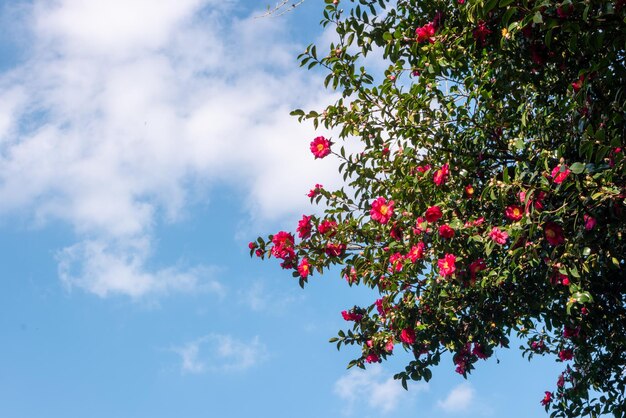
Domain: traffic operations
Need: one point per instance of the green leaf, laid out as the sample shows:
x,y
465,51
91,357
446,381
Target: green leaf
x,y
577,168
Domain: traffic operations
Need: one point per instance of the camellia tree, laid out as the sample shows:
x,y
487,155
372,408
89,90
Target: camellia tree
x,y
488,201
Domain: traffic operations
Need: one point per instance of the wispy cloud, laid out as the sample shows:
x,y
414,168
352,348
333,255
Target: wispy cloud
x,y
460,398
372,387
258,298
220,353
119,106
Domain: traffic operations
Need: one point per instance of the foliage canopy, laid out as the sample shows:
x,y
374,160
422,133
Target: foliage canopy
x,y
489,198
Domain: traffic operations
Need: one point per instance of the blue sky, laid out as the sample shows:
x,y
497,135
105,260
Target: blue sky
x,y
142,145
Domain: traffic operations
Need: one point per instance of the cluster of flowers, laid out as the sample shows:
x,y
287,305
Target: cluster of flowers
x,y
465,357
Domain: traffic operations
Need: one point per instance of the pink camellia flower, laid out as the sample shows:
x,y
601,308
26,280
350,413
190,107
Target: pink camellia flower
x,y
372,358
514,213
320,147
481,32
304,268
560,173
446,232
538,346
426,33
417,252
547,398
252,245
389,345
498,236
446,265
382,210
433,214
407,336
566,355
419,226
283,245
351,316
351,277
441,176
479,221
396,262
327,227
315,191
259,253
553,233
590,222
304,227
423,168
560,381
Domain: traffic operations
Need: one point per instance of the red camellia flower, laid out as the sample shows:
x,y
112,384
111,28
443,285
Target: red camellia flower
x,y
283,245
417,252
578,84
565,355
304,227
327,227
304,268
441,176
479,351
315,191
446,232
382,210
553,233
481,32
498,236
560,173
419,226
476,266
423,168
426,33
469,191
547,398
320,147
514,213
407,336
564,12
433,214
570,333
335,250
446,265
590,222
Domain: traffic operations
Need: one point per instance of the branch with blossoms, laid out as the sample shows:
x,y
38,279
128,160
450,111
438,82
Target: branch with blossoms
x,y
491,205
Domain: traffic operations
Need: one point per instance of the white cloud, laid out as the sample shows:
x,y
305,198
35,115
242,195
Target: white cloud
x,y
220,353
460,398
121,105
370,387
